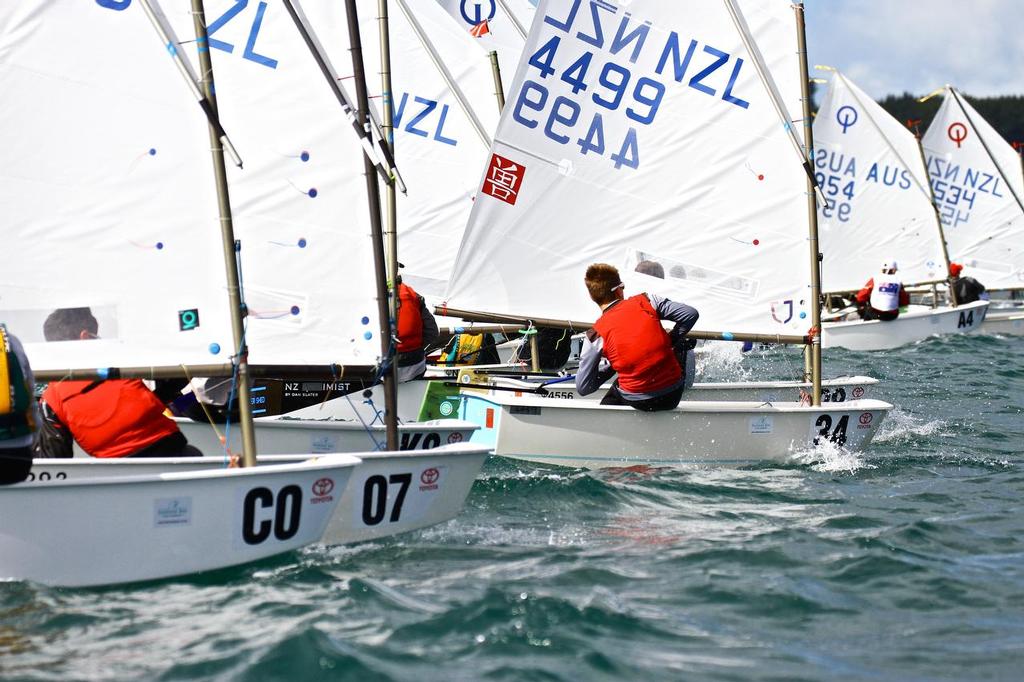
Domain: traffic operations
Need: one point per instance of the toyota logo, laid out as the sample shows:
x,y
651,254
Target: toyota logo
x,y
455,437
866,418
323,486
858,391
430,476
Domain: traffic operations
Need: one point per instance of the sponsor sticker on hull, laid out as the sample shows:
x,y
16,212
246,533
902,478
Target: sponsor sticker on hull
x,y
762,424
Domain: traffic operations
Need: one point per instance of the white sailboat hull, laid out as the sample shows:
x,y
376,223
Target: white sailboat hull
x,y
583,434
118,529
915,325
388,493
286,435
1006,322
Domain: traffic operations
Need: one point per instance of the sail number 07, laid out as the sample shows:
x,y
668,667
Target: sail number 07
x,y
375,497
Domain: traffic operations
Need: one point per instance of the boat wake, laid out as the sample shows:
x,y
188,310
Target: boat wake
x,y
901,426
829,457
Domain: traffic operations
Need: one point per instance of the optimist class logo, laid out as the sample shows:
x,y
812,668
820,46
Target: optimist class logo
x,y
504,179
846,117
957,132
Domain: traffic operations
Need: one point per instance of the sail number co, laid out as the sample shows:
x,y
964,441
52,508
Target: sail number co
x,y
582,99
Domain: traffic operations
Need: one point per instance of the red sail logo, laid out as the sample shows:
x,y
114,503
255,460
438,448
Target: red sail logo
x,y
504,179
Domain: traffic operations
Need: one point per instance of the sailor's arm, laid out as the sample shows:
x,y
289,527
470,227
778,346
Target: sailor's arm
x,y
594,368
430,330
683,315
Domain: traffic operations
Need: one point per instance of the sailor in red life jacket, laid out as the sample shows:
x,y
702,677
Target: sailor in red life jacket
x,y
115,418
967,289
628,339
882,297
417,329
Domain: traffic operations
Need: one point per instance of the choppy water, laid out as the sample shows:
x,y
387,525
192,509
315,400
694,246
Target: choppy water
x,y
903,562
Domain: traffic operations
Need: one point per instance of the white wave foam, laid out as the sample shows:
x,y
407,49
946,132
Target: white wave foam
x,y
900,426
829,457
721,361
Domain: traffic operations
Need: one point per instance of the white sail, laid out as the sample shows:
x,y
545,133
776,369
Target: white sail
x,y
299,204
442,134
978,192
440,144
646,134
107,191
495,25
879,205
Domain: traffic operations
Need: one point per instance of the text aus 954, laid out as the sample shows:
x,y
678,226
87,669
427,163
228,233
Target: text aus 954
x,y
584,87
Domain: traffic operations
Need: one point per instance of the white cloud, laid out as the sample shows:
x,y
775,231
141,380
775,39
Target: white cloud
x,y
889,46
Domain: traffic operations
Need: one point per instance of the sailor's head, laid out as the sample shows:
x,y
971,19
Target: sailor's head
x,y
603,283
70,324
890,267
955,269
652,268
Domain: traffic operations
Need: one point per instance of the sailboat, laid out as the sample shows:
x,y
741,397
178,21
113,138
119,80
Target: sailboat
x,y
978,181
655,134
117,214
879,208
68,181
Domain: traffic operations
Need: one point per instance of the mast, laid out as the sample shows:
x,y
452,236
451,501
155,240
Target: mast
x,y
377,233
391,196
231,245
499,90
812,209
938,219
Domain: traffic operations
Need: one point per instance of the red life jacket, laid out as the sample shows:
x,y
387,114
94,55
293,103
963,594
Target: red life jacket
x,y
637,346
410,322
113,419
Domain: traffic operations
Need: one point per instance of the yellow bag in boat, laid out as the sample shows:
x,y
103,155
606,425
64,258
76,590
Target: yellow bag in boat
x,y
15,394
464,350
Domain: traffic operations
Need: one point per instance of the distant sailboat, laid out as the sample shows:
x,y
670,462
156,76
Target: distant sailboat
x,y
879,207
978,180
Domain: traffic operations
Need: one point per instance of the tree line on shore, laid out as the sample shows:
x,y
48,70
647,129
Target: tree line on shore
x,y
1005,113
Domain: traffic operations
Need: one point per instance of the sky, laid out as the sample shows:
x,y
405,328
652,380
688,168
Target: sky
x,y
891,46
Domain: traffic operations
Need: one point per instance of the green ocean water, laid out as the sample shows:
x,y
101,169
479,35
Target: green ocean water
x,y
902,562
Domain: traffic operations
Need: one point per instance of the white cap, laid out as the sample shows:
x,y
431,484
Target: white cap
x,y
889,265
